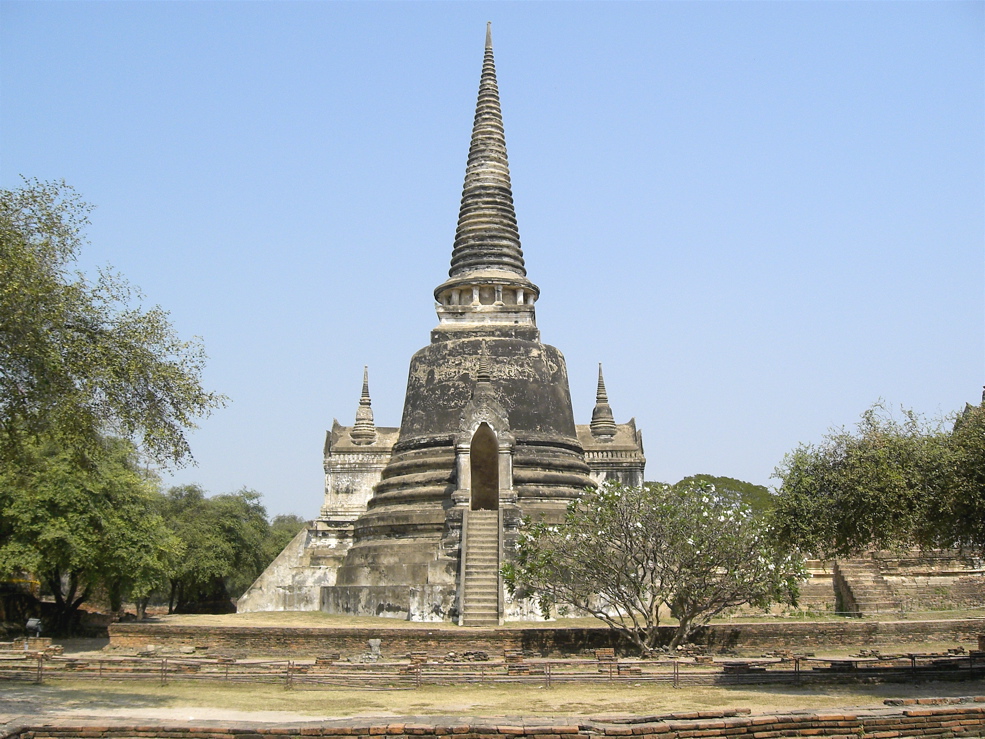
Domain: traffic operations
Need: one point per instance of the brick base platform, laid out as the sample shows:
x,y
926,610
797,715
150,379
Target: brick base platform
x,y
549,642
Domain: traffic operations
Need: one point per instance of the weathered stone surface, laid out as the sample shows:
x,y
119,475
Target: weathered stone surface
x,y
294,580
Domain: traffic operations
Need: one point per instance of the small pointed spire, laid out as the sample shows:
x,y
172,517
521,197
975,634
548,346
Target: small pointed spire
x,y
489,34
364,432
484,374
600,395
483,387
603,424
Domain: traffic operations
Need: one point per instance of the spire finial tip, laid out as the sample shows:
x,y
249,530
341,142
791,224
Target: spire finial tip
x,y
488,34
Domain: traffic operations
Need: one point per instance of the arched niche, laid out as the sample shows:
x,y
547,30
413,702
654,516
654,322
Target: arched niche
x,y
484,464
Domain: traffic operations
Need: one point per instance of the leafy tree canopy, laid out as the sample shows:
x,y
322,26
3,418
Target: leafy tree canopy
x,y
757,497
78,359
623,553
283,528
225,546
81,527
891,483
960,511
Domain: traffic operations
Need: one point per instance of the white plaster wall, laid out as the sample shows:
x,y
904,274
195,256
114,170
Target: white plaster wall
x,y
289,583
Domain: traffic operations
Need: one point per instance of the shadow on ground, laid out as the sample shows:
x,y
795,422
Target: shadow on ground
x,y
76,646
38,700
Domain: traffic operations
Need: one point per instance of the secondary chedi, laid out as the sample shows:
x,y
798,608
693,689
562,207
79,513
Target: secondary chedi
x,y
417,521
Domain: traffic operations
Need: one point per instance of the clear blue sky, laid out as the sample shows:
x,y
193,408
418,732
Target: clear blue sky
x,y
761,217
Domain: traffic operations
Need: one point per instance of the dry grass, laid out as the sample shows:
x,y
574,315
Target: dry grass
x,y
469,700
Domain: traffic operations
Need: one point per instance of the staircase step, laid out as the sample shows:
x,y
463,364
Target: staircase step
x,y
867,587
480,596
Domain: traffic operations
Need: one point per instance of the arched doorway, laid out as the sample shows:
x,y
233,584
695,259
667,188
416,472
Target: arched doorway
x,y
484,462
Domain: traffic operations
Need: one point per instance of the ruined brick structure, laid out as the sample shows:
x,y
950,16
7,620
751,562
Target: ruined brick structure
x,y
417,521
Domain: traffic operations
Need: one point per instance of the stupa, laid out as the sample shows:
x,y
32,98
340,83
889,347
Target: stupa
x,y
418,520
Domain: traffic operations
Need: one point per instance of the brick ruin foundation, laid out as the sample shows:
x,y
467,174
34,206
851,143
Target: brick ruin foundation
x,y
928,718
549,642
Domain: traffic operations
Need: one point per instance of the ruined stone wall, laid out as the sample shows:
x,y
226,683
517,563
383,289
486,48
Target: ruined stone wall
x,y
934,580
917,582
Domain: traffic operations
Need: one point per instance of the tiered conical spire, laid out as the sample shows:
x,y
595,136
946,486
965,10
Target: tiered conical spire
x,y
364,432
603,424
487,287
487,236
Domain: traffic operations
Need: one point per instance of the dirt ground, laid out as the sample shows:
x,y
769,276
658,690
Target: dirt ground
x,y
276,704
273,703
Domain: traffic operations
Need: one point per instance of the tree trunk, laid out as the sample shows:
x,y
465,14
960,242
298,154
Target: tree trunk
x,y
684,630
173,596
115,592
66,604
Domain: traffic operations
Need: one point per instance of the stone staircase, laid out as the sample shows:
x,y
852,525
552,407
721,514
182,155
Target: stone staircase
x,y
863,589
480,585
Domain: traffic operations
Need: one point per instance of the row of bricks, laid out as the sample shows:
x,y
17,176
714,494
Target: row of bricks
x,y
956,730
971,728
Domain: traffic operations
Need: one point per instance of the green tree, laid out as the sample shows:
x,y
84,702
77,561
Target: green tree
x,y
892,483
79,360
960,510
622,553
78,527
875,487
757,497
144,552
283,528
224,539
